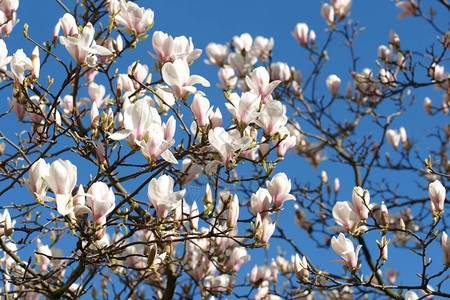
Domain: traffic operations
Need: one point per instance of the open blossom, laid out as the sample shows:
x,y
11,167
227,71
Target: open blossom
x,y
136,20
83,48
409,7
279,188
226,145
437,193
237,259
346,216
61,179
260,202
19,64
341,7
346,250
333,83
259,83
244,109
243,43
138,119
262,47
177,76
217,53
161,195
228,78
272,117
169,49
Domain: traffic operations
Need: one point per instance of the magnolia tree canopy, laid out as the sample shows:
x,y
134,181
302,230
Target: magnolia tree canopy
x,y
121,177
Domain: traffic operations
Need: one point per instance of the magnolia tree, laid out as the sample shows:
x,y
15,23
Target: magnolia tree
x,y
110,155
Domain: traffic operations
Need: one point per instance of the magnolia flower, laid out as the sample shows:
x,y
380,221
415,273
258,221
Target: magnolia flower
x,y
260,202
161,195
409,7
68,24
237,259
177,76
279,188
428,105
239,63
101,200
136,20
300,267
327,12
361,199
17,108
61,179
139,72
272,117
228,78
393,137
226,145
6,226
244,109
97,94
259,83
341,7
36,179
243,42
19,64
264,228
201,108
262,47
336,185
169,49
394,39
301,34
437,193
384,53
280,71
345,249
346,216
445,247
217,53
333,83
83,48
138,119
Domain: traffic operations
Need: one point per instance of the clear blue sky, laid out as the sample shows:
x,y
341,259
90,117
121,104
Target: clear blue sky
x,y
218,21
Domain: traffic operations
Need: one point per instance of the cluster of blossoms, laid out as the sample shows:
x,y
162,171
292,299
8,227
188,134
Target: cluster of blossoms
x,y
169,234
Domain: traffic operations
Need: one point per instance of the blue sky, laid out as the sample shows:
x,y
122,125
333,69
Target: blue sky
x,y
209,21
